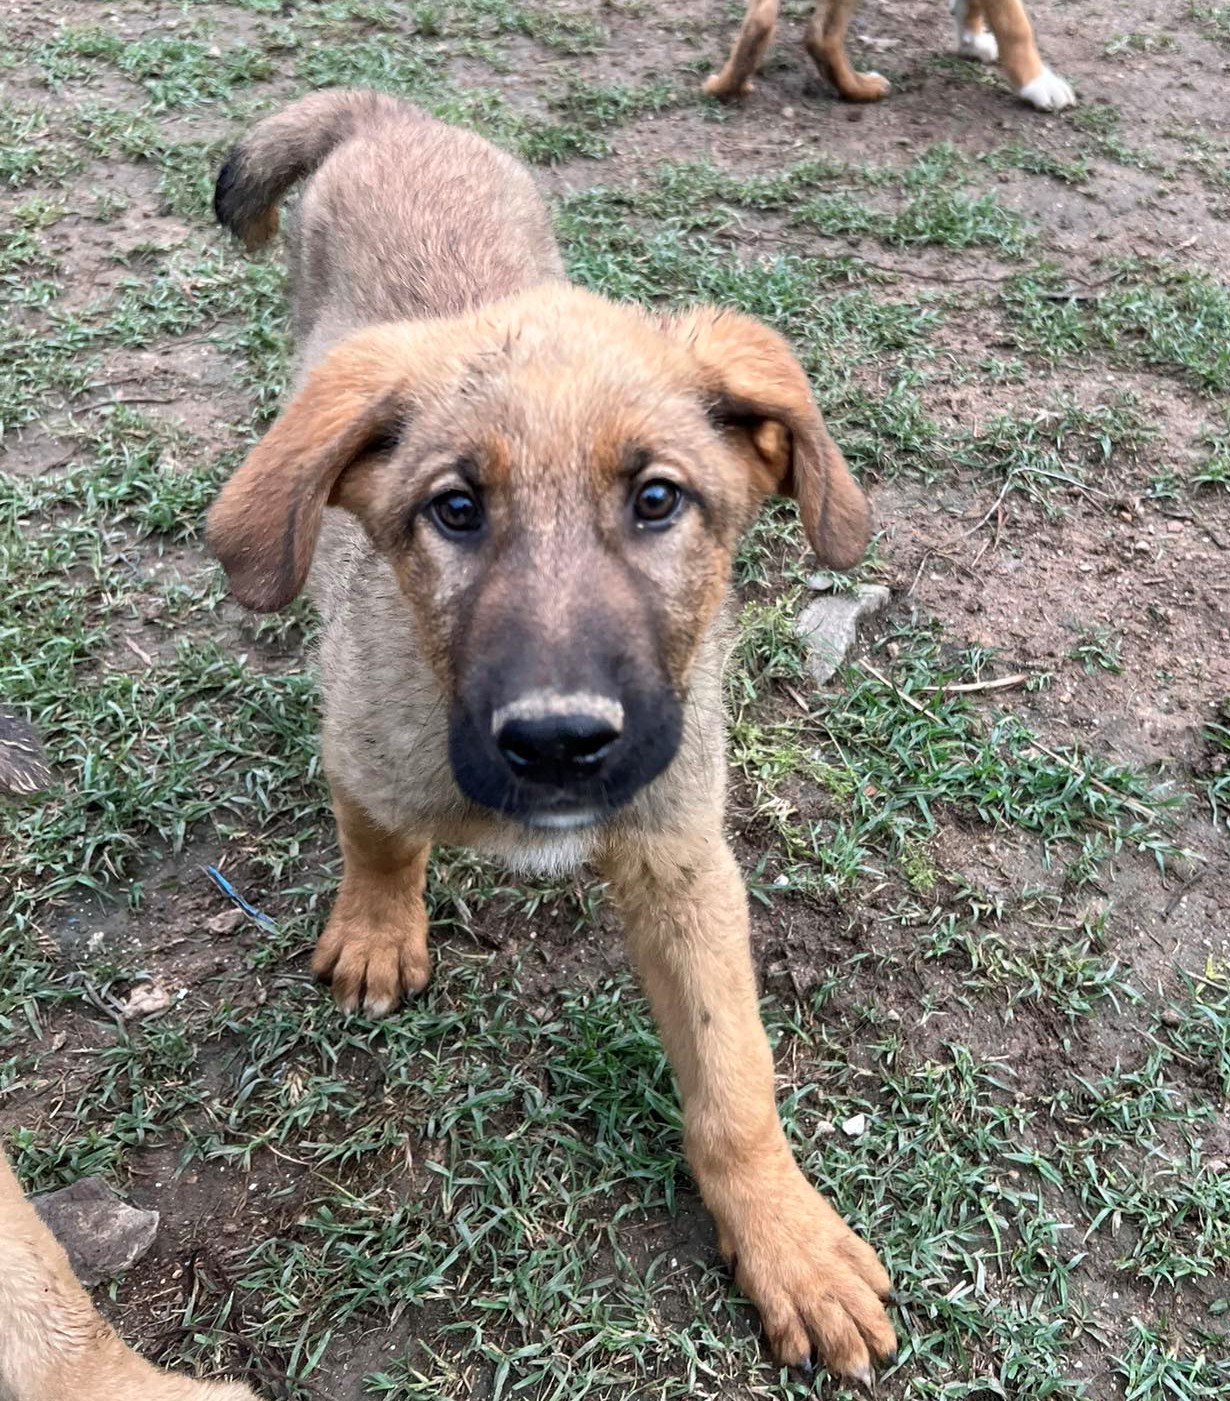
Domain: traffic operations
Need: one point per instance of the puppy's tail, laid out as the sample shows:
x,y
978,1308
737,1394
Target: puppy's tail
x,y
287,147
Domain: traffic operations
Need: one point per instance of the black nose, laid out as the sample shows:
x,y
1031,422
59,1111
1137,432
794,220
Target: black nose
x,y
557,749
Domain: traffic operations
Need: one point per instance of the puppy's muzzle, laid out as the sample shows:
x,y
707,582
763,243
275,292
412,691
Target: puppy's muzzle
x,y
562,756
557,740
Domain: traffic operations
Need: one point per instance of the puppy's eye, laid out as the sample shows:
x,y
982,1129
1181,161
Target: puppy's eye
x,y
456,512
657,502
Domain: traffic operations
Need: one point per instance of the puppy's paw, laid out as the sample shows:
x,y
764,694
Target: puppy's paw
x,y
372,966
820,1290
866,87
725,89
978,44
1048,92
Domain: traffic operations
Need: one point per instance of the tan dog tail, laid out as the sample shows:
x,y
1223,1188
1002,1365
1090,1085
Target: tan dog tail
x,y
287,147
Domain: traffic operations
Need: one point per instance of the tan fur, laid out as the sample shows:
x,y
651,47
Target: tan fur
x,y
825,41
558,398
53,1344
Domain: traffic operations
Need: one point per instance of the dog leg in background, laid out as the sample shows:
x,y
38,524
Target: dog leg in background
x,y
1034,82
747,53
825,40
54,1345
974,39
374,948
816,1284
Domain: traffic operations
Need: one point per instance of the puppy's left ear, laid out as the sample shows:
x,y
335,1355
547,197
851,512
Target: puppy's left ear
x,y
758,396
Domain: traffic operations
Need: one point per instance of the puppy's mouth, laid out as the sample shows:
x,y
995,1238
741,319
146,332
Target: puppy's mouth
x,y
557,820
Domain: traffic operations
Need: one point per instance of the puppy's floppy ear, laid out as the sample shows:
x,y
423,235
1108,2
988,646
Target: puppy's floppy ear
x,y
264,526
757,394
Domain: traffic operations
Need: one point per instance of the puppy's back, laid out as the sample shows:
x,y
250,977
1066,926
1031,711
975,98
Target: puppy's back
x,y
402,217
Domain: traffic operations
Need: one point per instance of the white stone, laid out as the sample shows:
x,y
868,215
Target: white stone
x,y
829,626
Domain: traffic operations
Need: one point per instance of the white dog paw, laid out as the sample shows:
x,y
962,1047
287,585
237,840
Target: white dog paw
x,y
972,43
978,43
1048,92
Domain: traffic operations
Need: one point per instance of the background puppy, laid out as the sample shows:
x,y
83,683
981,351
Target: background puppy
x,y
542,492
54,1346
988,30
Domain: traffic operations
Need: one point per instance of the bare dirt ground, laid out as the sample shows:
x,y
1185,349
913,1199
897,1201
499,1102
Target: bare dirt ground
x,y
993,921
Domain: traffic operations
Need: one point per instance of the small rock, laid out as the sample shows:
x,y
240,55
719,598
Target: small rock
x,y
787,112
824,1127
1174,527
829,626
823,582
855,1127
224,922
1216,1166
1171,1017
145,1000
101,1235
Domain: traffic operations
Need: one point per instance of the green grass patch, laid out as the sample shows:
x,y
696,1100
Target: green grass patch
x,y
1152,313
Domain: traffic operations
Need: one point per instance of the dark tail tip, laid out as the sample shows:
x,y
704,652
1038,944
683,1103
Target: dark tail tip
x,y
246,206
226,192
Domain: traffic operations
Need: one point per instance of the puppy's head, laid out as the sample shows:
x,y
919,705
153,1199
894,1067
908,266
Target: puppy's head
x,y
558,484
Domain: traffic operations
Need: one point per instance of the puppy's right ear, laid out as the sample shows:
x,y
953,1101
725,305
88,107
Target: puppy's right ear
x,y
264,526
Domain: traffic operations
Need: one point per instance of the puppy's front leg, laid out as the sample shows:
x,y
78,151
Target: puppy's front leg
x,y
1018,56
817,1285
825,40
747,53
374,948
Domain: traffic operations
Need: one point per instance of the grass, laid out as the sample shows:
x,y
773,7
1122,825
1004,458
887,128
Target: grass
x,y
484,1194
1216,775
1159,315
1139,42
933,210
1097,649
1214,20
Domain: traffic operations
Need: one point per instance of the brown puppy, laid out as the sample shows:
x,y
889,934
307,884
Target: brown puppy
x,y
53,1345
541,494
988,30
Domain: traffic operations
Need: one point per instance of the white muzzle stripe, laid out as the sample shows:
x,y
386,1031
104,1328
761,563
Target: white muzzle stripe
x,y
539,705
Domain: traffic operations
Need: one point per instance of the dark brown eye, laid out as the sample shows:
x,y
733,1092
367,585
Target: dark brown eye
x,y
657,502
456,512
